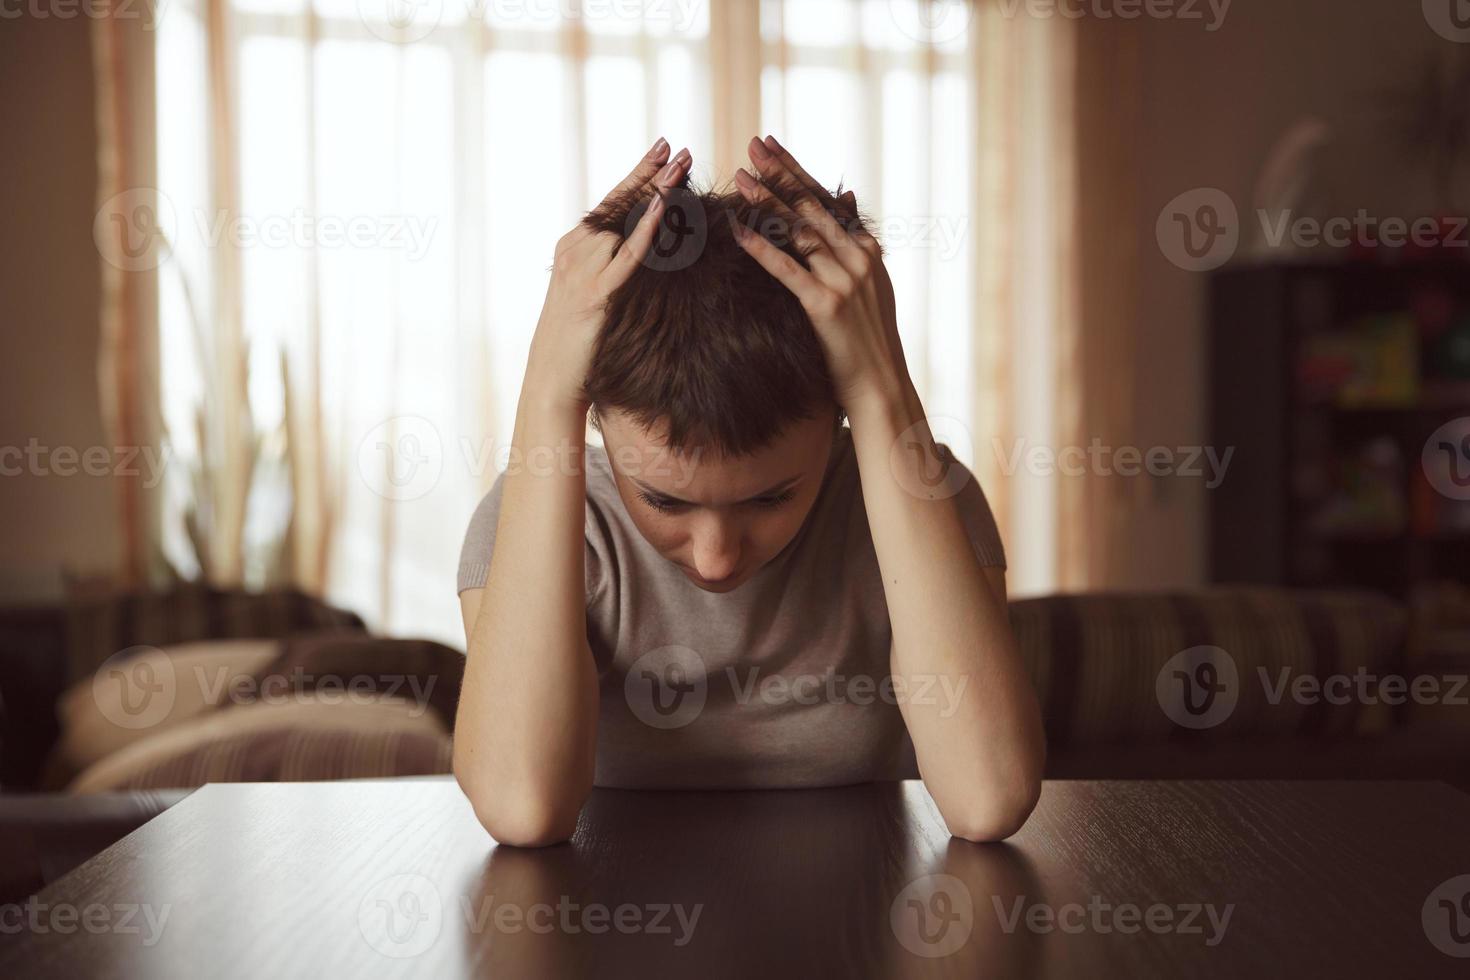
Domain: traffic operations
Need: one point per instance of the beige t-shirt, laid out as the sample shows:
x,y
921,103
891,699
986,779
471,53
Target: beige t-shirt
x,y
782,682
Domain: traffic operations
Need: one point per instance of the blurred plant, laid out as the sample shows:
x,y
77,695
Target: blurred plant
x,y
238,510
1284,181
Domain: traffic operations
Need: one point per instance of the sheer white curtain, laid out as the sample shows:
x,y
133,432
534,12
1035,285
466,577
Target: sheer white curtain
x,y
362,198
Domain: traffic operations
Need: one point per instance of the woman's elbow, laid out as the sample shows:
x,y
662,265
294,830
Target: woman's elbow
x,y
522,825
996,814
518,817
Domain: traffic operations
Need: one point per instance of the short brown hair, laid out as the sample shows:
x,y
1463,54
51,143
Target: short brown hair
x,y
700,336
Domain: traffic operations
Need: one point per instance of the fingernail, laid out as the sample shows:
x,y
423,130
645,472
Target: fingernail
x,y
657,204
777,147
745,180
681,159
759,151
659,145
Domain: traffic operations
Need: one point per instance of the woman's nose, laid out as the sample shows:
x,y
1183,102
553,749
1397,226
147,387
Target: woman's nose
x,y
716,550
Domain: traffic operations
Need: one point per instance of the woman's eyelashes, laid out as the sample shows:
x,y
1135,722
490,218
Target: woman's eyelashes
x,y
668,505
664,505
775,499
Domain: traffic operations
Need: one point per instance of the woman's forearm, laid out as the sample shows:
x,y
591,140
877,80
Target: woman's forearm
x,y
525,735
977,735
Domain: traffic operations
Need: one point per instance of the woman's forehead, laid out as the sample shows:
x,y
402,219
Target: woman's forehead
x,y
643,456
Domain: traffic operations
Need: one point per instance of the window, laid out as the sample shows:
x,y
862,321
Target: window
x,y
364,198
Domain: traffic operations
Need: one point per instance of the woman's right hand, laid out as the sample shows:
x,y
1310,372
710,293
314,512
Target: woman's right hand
x,y
584,274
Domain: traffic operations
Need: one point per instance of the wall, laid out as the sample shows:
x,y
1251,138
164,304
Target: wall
x,y
49,281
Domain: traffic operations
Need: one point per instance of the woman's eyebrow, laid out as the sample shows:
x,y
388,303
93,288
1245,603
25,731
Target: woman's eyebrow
x,y
777,488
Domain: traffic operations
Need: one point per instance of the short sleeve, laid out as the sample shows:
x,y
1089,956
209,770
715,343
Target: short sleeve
x,y
978,519
479,545
479,539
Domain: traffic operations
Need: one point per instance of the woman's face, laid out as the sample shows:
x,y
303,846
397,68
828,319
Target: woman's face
x,y
719,519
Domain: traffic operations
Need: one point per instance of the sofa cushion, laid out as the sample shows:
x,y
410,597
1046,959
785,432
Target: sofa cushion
x,y
302,738
99,626
153,716
110,710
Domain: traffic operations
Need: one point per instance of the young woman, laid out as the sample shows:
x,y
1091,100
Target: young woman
x,y
737,590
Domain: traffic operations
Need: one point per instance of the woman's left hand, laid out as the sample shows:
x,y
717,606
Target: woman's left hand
x,y
846,291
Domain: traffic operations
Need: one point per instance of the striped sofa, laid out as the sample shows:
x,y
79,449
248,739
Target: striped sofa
x,y
1103,665
1322,685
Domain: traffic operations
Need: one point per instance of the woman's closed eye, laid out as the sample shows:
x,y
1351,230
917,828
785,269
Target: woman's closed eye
x,y
773,500
663,505
667,505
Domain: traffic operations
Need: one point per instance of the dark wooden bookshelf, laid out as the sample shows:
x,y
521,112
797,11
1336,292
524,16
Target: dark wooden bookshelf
x,y
1291,510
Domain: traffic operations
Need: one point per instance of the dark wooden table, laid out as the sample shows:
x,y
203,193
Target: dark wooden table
x,y
1125,879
